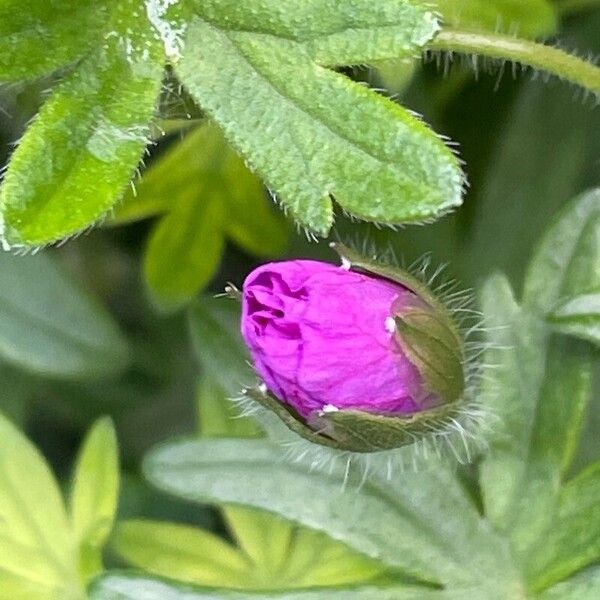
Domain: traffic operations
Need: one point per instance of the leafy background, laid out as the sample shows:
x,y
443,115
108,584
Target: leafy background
x,y
122,321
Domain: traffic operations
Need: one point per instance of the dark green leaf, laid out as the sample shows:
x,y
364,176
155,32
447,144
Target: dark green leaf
x,y
49,325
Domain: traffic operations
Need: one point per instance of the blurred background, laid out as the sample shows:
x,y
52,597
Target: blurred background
x,y
529,146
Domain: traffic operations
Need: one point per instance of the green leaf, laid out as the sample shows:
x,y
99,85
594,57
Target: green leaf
x,y
37,554
579,316
217,341
567,260
323,135
539,395
39,37
184,252
203,167
574,539
15,389
132,586
584,586
50,326
526,19
389,521
182,552
217,415
94,495
87,139
207,193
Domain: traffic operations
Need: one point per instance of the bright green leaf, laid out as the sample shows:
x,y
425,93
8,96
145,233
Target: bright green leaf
x,y
87,139
184,251
50,326
182,552
94,495
39,37
323,135
387,520
579,316
124,586
217,341
37,554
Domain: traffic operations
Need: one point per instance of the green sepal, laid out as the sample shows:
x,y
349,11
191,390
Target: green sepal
x,y
427,334
359,431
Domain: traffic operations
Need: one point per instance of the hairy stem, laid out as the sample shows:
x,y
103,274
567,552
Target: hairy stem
x,y
538,56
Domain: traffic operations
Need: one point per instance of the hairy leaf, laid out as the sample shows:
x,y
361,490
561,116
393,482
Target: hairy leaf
x,y
323,135
386,521
38,37
87,139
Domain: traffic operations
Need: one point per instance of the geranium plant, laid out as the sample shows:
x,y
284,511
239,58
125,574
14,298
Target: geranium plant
x,y
313,286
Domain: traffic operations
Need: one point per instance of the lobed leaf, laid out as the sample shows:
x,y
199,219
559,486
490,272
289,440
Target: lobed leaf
x,y
50,326
391,522
323,136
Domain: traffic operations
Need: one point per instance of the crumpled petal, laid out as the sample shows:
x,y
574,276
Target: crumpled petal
x,y
322,335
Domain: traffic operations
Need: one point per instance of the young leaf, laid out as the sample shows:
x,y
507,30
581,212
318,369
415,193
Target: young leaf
x,y
323,135
94,495
39,37
386,521
50,326
87,139
579,316
184,251
182,552
132,586
37,553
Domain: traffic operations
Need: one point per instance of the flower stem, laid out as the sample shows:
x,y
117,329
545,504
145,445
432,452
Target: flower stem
x,y
546,58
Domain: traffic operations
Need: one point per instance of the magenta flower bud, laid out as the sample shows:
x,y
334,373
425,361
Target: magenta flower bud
x,y
337,347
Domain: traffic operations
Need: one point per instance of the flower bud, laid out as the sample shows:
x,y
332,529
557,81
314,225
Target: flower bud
x,y
360,357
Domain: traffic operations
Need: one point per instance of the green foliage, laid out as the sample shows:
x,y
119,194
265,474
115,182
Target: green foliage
x,y
48,325
208,194
43,550
530,535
